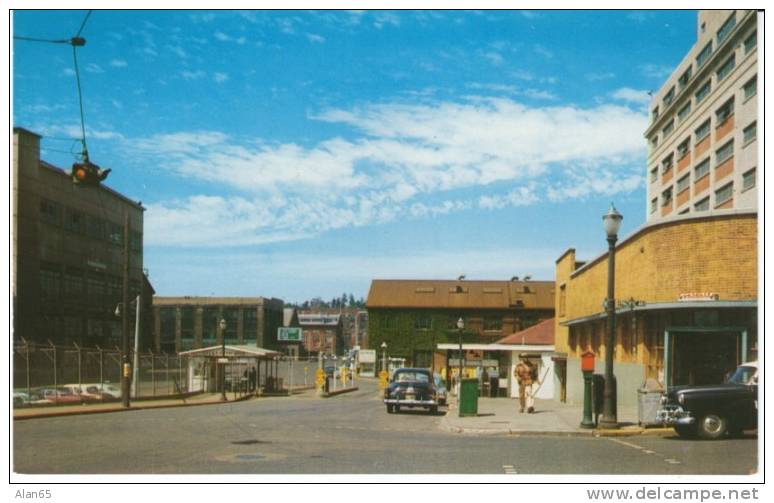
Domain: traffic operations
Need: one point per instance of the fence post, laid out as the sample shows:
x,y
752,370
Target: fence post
x,y
180,373
166,371
54,347
80,375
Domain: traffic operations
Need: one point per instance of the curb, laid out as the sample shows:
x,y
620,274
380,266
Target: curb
x,y
44,415
631,432
339,392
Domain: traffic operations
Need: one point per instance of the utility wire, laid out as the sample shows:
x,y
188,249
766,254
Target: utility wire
x,y
80,103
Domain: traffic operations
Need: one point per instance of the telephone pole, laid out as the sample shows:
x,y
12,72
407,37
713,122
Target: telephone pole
x,y
126,367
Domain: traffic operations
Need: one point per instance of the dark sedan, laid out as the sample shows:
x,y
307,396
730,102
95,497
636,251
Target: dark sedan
x,y
411,388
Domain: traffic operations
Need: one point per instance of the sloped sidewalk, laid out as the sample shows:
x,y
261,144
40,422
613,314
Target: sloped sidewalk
x,y
500,416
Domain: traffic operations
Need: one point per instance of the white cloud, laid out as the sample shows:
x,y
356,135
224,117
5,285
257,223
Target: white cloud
x,y
636,96
118,63
94,68
189,75
382,18
220,77
402,161
494,57
655,71
544,51
315,39
597,76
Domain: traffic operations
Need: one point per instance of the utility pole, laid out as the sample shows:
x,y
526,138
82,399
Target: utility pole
x,y
126,367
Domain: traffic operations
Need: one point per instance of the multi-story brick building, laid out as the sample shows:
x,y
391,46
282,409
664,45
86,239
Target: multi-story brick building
x,y
323,332
414,316
183,323
68,254
703,152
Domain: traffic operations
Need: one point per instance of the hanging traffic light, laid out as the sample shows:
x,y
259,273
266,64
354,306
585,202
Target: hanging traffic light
x,y
88,173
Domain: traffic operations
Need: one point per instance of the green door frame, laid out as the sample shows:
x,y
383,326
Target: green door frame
x,y
670,331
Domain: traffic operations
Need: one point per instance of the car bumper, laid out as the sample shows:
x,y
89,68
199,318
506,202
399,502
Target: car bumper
x,y
674,415
411,403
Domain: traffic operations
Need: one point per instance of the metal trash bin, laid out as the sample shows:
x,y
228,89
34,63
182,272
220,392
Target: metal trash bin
x,y
648,402
468,399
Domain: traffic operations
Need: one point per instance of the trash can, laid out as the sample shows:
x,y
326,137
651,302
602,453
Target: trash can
x,y
468,399
648,402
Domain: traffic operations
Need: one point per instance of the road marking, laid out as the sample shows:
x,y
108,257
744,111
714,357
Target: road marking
x,y
648,452
627,444
510,470
672,461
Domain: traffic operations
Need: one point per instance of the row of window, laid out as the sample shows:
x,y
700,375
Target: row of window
x,y
722,195
97,289
56,214
210,319
426,323
723,71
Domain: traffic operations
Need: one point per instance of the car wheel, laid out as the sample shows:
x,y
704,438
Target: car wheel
x,y
712,426
685,430
434,410
390,409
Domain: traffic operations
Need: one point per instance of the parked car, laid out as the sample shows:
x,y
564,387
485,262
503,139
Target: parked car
x,y
95,392
440,387
20,398
411,387
60,395
713,411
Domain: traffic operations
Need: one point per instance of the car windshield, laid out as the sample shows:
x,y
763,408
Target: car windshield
x,y
406,376
742,375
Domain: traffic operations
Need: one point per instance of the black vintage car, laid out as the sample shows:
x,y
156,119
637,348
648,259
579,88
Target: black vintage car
x,y
713,411
410,387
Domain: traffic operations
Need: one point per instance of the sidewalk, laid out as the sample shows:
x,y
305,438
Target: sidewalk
x,y
500,416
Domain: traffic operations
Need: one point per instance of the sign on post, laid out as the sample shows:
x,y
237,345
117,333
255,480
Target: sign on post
x,y
293,334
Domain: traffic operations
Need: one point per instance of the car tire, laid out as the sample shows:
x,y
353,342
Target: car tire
x,y
686,430
712,426
390,409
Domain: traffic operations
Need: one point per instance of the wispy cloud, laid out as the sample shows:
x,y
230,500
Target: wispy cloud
x,y
636,96
118,63
223,37
315,39
94,68
405,160
220,77
382,18
655,71
189,75
597,76
544,51
494,57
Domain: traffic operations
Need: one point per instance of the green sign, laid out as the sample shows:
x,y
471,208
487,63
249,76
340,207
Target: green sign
x,y
289,334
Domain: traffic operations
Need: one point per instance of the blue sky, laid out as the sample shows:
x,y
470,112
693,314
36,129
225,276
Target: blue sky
x,y
297,154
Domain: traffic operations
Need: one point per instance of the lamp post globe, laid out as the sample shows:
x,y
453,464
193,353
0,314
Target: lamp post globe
x,y
612,223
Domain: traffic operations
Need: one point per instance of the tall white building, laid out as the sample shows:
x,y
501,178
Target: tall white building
x,y
702,139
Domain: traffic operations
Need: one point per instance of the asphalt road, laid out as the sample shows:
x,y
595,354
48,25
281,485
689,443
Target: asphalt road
x,y
349,433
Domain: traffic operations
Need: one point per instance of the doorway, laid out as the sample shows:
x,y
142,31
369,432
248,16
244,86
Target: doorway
x,y
704,357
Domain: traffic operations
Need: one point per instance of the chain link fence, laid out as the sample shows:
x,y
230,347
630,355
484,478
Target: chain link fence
x,y
47,374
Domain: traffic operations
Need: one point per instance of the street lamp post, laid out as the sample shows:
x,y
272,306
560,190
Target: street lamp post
x,y
612,222
384,355
460,327
222,327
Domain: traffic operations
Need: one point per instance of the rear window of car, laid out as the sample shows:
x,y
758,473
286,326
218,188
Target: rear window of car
x,y
406,376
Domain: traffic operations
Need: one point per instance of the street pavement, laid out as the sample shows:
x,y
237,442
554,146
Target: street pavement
x,y
345,434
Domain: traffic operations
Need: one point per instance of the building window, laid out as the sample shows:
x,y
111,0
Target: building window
x,y
666,197
750,133
73,282
493,324
683,112
135,241
167,324
726,28
95,227
683,148
655,114
669,97
702,205
702,131
95,287
115,233
685,211
653,204
666,164
750,42
683,183
49,212
73,220
388,322
50,280
654,141
685,77
654,174
748,179
704,55
250,324
668,128
751,88
701,169
724,193
703,91
422,323
727,67
724,112
724,153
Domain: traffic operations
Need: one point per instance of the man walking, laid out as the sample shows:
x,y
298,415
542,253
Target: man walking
x,y
524,374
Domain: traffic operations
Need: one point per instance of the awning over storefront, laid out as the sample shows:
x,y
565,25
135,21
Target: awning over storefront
x,y
661,306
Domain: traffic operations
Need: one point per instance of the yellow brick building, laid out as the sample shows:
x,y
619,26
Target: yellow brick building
x,y
686,294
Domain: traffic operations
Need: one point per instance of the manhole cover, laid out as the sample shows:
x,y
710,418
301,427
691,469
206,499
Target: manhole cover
x,y
248,457
251,441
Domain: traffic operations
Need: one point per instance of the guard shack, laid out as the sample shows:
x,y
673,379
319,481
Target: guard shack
x,y
238,369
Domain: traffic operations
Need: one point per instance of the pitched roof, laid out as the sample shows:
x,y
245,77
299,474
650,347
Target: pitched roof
x,y
542,333
460,294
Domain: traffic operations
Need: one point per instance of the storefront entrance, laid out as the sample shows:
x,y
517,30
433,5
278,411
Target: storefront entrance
x,y
703,357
